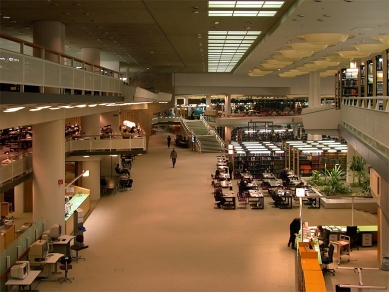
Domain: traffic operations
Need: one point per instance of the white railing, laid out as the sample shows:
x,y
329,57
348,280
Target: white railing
x,y
212,132
65,72
378,103
367,121
15,165
190,134
113,143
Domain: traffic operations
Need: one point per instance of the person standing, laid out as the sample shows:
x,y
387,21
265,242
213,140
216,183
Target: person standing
x,y
173,156
230,168
294,229
168,141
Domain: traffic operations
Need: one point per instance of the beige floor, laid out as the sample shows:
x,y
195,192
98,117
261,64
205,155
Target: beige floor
x,y
165,235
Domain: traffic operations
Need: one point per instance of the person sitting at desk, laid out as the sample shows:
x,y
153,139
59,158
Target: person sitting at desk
x,y
120,170
284,175
319,234
219,197
243,185
217,174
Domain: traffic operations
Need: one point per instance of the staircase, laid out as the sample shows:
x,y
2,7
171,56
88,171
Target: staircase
x,y
209,144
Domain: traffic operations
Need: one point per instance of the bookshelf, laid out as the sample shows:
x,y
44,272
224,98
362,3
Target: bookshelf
x,y
350,82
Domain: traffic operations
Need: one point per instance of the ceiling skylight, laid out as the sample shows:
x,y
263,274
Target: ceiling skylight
x,y
245,4
226,48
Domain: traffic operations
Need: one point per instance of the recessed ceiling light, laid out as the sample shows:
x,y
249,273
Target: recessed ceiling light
x,y
65,13
301,15
54,4
327,15
216,22
77,5
6,17
13,21
321,20
296,19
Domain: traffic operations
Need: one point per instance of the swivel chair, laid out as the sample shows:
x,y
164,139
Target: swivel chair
x,y
328,259
65,266
79,245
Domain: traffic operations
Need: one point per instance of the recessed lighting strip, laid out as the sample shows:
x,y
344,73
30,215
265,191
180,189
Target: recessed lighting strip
x,y
226,48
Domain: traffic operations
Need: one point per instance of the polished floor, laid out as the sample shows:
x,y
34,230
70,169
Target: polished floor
x,y
165,235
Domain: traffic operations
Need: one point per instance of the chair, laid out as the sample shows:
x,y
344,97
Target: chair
x,y
241,200
125,182
79,245
352,232
65,266
328,259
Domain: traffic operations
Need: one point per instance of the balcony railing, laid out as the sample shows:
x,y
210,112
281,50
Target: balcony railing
x,y
27,67
14,166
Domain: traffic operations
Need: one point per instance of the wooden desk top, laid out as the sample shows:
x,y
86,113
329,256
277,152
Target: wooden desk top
x,y
24,282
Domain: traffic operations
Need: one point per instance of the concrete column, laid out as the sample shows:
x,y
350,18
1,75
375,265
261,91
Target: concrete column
x,y
314,89
90,55
19,198
384,219
51,35
92,181
48,169
90,125
295,130
185,101
227,105
227,134
208,102
350,177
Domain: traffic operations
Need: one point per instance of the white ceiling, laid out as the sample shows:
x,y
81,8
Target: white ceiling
x,y
162,35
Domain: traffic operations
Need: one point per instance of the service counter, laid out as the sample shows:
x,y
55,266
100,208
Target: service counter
x,y
78,201
7,236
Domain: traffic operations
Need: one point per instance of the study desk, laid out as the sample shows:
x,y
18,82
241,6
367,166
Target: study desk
x,y
62,245
230,201
287,200
343,243
23,282
49,264
225,184
269,176
257,198
313,200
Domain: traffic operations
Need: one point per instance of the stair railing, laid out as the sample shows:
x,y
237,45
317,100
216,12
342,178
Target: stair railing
x,y
211,131
189,132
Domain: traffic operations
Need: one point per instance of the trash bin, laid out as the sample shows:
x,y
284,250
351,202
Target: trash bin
x,y
385,263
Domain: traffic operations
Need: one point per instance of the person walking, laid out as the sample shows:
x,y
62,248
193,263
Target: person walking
x,y
173,156
168,141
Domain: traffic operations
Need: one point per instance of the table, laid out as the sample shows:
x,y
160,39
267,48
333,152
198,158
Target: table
x,y
344,243
224,176
50,262
258,199
230,201
23,282
269,176
225,184
62,245
314,200
287,200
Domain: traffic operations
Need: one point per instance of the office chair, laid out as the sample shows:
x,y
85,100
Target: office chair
x,y
79,245
352,232
65,266
328,260
241,200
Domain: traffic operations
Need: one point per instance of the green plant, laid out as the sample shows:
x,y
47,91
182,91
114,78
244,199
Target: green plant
x,y
358,166
316,179
333,184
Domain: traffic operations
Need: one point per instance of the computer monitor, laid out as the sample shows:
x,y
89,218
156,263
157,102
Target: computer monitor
x,y
55,231
20,270
39,250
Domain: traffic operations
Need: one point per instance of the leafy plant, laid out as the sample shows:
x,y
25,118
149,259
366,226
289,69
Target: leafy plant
x,y
316,179
358,166
333,184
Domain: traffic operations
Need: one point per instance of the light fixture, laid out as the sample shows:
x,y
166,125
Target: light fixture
x,y
353,54
325,63
371,48
307,47
13,109
382,38
329,39
296,54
